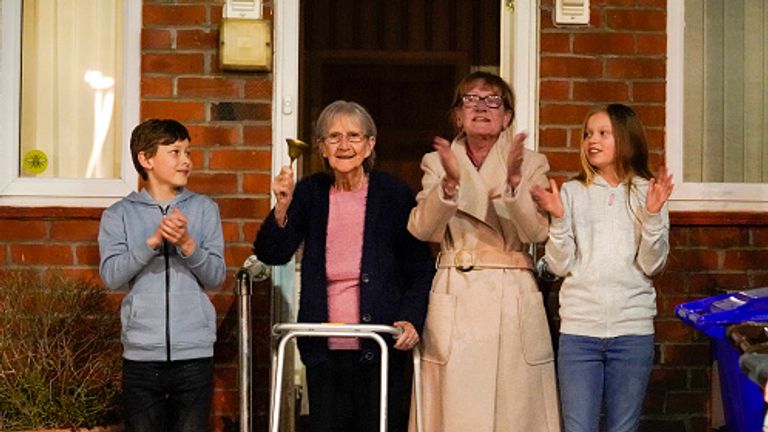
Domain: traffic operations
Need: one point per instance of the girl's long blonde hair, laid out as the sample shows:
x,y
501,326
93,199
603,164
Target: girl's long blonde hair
x,y
631,145
631,150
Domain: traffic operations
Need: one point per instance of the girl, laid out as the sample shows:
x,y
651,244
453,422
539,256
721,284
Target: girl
x,y
609,234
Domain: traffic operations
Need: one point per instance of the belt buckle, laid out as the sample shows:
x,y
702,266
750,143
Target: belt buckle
x,y
464,260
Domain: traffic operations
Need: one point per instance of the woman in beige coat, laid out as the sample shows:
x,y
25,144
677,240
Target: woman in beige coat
x,y
488,364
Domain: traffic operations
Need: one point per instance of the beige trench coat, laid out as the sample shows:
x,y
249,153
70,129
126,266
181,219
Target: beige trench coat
x,y
488,364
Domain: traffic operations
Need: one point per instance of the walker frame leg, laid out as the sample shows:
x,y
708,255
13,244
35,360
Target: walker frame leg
x,y
286,332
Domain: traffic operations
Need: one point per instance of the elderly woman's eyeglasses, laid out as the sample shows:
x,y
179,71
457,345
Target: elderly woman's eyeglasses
x,y
491,101
352,138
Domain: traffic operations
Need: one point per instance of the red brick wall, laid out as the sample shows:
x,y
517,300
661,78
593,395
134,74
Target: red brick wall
x,y
620,57
229,117
43,238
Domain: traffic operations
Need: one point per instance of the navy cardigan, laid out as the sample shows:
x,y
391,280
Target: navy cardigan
x,y
396,270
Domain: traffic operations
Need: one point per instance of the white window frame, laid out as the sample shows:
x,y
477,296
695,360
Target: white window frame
x,y
690,196
36,192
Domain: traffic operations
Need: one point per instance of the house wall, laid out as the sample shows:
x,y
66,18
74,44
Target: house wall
x,y
620,57
228,115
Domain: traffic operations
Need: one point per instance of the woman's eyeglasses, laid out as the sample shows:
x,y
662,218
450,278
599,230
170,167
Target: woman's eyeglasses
x,y
491,101
352,138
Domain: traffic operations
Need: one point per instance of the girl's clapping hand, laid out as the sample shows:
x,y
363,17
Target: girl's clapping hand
x,y
548,199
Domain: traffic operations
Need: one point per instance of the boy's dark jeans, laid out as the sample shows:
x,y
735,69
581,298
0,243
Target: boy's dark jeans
x,y
168,396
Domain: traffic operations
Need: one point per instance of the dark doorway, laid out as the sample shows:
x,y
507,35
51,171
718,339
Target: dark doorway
x,y
401,60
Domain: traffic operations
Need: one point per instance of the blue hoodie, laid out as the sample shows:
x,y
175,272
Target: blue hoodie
x,y
165,315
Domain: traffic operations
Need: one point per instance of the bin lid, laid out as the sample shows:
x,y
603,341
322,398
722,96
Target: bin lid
x,y
712,315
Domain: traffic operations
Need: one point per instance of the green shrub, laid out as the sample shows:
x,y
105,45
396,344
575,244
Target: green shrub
x,y
59,353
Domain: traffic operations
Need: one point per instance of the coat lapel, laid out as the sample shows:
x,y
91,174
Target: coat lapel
x,y
478,188
494,169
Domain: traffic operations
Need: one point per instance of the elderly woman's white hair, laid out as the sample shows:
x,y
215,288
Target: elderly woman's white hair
x,y
352,110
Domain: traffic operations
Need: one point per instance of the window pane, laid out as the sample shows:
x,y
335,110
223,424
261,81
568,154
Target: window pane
x,y
71,73
726,91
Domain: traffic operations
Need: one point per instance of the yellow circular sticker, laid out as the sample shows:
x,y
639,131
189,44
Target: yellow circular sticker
x,y
35,162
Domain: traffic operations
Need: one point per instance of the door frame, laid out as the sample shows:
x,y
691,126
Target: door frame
x,y
519,62
285,124
519,20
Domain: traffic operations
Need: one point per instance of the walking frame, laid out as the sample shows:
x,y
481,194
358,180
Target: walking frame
x,y
287,331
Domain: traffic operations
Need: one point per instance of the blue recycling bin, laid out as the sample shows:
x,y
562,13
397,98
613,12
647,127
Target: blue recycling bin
x,y
743,404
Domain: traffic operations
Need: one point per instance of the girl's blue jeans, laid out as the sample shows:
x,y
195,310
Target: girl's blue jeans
x,y
609,373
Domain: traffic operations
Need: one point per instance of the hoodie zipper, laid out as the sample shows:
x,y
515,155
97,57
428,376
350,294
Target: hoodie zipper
x,y
167,292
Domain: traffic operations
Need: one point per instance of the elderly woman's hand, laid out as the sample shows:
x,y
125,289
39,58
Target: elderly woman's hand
x,y
410,337
450,165
515,160
283,186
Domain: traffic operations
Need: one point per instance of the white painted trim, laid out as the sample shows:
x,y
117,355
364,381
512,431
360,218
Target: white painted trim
x,y
285,124
688,196
10,54
36,192
131,86
675,67
285,102
507,33
520,63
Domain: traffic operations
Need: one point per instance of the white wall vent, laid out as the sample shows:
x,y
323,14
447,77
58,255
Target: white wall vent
x,y
572,12
245,9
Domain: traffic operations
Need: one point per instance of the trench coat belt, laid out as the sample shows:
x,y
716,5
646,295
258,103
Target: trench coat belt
x,y
468,259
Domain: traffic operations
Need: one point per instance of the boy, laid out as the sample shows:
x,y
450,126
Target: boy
x,y
165,245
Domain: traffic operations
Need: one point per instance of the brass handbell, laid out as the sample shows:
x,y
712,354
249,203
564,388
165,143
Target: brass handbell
x,y
296,148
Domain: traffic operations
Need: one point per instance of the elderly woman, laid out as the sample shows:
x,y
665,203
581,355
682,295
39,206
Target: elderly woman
x,y
488,364
360,265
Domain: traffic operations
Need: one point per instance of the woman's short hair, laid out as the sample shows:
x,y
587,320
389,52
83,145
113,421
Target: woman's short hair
x,y
352,110
486,79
